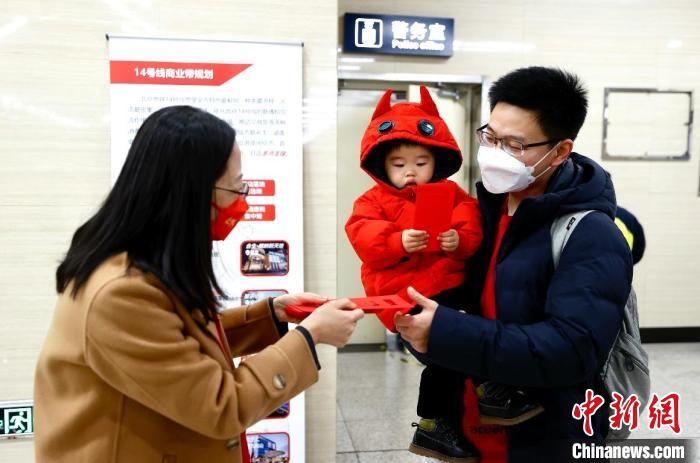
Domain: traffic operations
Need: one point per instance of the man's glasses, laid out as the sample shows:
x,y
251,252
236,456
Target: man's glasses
x,y
243,191
510,145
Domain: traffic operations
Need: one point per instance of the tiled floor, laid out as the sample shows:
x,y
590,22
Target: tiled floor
x,y
377,394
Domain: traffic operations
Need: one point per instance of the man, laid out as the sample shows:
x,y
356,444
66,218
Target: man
x,y
543,331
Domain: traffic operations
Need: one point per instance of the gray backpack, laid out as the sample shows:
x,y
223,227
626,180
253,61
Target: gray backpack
x,y
626,370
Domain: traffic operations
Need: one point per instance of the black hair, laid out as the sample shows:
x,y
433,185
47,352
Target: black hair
x,y
159,208
558,97
447,162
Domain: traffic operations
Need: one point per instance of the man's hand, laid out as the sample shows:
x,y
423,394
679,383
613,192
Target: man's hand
x,y
415,329
414,240
280,303
449,240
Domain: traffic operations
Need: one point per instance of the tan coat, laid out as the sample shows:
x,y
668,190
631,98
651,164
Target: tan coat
x,y
126,375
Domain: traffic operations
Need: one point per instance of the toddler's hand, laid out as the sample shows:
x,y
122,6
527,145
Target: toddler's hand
x,y
414,240
449,240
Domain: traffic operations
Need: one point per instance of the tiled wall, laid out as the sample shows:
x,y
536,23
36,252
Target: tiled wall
x,y
623,43
54,153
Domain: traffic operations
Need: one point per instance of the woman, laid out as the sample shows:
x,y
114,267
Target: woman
x,y
137,365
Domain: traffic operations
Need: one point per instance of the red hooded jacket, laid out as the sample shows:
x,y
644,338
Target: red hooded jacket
x,y
382,213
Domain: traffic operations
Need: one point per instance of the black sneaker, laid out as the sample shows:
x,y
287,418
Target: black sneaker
x,y
436,439
505,405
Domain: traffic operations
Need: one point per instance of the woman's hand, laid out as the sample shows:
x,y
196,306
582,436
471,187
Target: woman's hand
x,y
334,322
280,303
415,329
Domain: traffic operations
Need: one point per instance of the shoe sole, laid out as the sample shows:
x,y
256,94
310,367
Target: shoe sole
x,y
422,451
512,421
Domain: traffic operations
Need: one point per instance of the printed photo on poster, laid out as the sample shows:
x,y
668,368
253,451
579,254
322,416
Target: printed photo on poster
x,y
281,412
264,258
270,447
251,296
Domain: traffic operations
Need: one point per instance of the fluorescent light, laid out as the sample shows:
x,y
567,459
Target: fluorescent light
x,y
492,47
349,68
356,60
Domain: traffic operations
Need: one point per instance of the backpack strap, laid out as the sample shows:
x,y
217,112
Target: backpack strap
x,y
562,228
626,368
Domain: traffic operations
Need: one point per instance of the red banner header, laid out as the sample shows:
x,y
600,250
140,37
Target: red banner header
x,y
168,73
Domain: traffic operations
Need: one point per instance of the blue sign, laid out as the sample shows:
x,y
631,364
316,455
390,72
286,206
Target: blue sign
x,y
398,35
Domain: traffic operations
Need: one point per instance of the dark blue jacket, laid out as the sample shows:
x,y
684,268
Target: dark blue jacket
x,y
554,329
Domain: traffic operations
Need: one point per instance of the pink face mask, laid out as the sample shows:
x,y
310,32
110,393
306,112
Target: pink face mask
x,y
227,218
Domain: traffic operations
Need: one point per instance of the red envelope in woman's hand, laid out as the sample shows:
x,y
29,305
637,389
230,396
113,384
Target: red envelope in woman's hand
x,y
374,304
434,204
299,312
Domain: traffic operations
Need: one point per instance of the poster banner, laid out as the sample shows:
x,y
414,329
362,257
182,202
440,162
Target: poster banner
x,y
257,88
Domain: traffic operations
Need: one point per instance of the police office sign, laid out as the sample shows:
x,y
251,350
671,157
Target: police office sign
x,y
16,419
398,35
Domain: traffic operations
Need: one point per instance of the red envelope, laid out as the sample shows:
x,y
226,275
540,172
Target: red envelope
x,y
376,304
373,304
434,203
299,312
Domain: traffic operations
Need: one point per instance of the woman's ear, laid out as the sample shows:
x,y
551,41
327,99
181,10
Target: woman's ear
x,y
563,150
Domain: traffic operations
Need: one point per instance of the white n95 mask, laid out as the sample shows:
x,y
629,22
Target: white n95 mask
x,y
502,173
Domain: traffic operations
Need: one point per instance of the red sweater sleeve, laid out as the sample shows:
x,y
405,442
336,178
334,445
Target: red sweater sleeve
x,y
376,240
466,219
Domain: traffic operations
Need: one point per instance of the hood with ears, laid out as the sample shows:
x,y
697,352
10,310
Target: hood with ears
x,y
414,122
